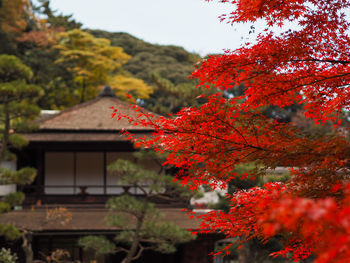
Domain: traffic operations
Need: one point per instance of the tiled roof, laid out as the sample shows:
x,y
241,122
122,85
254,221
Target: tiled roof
x,y
89,219
94,115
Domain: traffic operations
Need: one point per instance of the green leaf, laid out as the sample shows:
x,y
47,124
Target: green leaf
x,y
100,244
24,176
14,199
17,141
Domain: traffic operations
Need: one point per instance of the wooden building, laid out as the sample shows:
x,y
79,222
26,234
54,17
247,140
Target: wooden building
x,y
70,151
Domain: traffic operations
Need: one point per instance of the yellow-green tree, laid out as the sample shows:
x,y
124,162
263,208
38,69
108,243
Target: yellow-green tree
x,y
134,87
93,61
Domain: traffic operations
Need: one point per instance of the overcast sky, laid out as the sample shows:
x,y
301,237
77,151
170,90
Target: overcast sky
x,y
192,24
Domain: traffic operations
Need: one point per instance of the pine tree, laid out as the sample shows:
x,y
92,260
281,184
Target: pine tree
x,y
17,103
17,108
140,222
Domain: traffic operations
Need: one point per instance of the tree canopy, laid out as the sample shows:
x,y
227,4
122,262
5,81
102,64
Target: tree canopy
x,y
142,226
306,65
18,99
90,59
42,38
170,62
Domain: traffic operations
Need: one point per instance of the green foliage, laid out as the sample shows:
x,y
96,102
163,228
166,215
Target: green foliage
x,y
17,101
56,81
134,174
6,256
100,244
153,231
4,207
56,20
149,182
17,141
14,199
12,69
171,98
141,223
76,75
164,235
23,176
6,176
166,68
35,48
148,155
125,237
9,232
128,205
170,62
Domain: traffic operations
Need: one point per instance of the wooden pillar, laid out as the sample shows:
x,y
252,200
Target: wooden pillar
x,y
40,180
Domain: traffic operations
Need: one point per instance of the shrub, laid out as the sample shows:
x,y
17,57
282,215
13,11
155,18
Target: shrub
x,y
14,199
6,256
4,207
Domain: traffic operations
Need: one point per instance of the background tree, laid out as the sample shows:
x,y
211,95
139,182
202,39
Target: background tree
x,y
140,222
126,84
165,68
17,107
91,60
171,98
35,48
58,21
254,250
37,27
169,62
14,16
307,65
17,102
21,177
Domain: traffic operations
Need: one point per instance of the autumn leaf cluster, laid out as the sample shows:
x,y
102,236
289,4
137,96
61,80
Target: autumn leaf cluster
x,y
308,65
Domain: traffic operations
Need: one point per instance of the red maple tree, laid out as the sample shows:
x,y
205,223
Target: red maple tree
x,y
308,65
